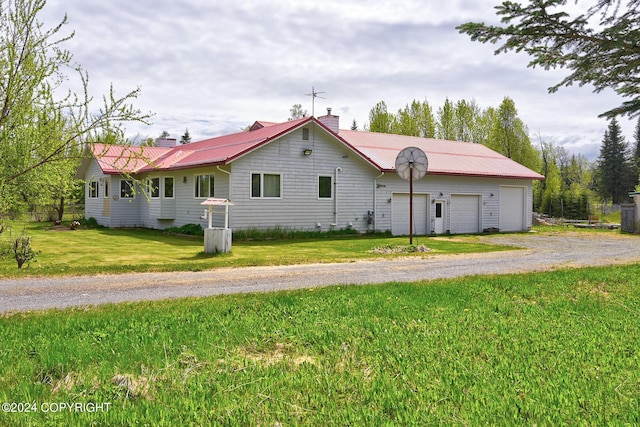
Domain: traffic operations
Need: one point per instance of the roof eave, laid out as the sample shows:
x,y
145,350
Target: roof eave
x,y
475,175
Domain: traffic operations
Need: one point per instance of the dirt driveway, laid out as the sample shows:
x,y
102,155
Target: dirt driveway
x,y
542,251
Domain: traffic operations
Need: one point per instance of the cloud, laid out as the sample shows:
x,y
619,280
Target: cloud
x,y
215,67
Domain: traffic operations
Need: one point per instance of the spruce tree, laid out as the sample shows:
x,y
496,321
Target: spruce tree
x,y
614,171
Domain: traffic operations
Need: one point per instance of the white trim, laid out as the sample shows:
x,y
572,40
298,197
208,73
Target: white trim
x,y
164,187
90,189
331,188
262,196
132,184
212,177
150,187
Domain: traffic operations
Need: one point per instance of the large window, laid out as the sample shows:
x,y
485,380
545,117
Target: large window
x,y
126,189
154,188
266,186
325,187
168,187
93,189
203,186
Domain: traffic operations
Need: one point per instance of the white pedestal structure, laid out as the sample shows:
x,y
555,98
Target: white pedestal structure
x,y
217,240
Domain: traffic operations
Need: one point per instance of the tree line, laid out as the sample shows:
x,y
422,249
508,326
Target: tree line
x,y
572,183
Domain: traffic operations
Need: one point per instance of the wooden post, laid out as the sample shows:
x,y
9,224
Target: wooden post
x,y
410,203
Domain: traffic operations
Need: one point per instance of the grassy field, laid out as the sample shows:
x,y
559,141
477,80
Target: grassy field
x,y
555,348
95,251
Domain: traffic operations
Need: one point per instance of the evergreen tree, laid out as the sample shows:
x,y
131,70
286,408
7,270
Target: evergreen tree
x,y
635,160
599,47
613,173
354,125
186,138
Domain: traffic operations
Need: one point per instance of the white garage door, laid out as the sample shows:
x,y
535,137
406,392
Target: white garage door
x,y
400,214
512,209
465,214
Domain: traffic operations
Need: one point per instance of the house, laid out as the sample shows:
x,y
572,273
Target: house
x,y
308,174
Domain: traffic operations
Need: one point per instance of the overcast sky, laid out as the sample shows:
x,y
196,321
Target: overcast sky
x,y
215,67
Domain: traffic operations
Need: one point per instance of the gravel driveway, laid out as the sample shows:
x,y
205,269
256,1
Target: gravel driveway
x,y
543,251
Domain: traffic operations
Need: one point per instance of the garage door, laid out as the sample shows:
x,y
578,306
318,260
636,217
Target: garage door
x,y
400,214
512,209
465,213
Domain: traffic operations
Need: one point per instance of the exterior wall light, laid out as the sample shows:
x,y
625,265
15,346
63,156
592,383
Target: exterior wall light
x,y
307,152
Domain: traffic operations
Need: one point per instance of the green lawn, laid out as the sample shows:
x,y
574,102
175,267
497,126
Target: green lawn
x,y
94,251
554,348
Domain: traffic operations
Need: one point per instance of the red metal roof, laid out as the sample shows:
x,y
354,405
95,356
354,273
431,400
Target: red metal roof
x,y
445,157
380,150
115,159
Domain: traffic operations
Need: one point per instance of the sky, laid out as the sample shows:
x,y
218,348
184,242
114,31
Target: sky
x,y
216,67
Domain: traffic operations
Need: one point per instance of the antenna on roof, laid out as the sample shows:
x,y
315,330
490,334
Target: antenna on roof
x,y
313,96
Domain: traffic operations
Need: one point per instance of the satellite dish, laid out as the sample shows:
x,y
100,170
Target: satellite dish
x,y
411,163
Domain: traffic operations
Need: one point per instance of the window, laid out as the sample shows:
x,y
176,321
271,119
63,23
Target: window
x,y
168,187
106,188
154,188
325,187
126,189
266,186
203,186
93,189
305,134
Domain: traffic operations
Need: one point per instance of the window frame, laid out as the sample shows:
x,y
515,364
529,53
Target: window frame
x,y
93,189
164,187
261,194
319,194
106,188
154,192
124,194
196,185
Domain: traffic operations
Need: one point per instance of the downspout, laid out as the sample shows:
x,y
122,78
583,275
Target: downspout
x,y
335,197
227,207
375,201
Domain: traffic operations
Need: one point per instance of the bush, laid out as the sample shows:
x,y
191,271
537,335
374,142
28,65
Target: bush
x,y
188,229
20,247
22,250
285,233
90,222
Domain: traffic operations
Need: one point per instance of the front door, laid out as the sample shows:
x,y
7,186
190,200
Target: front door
x,y
439,221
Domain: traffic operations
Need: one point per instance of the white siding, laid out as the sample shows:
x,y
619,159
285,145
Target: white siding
x,y
299,206
488,189
100,207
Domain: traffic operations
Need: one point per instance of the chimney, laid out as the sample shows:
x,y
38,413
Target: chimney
x,y
331,121
166,142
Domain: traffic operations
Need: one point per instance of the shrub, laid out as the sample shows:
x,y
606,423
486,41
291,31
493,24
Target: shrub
x,y
22,250
19,247
90,222
188,229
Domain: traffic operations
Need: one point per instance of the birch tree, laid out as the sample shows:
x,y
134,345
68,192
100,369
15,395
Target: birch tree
x,y
42,126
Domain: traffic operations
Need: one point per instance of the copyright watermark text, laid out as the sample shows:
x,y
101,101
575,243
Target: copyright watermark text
x,y
53,407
